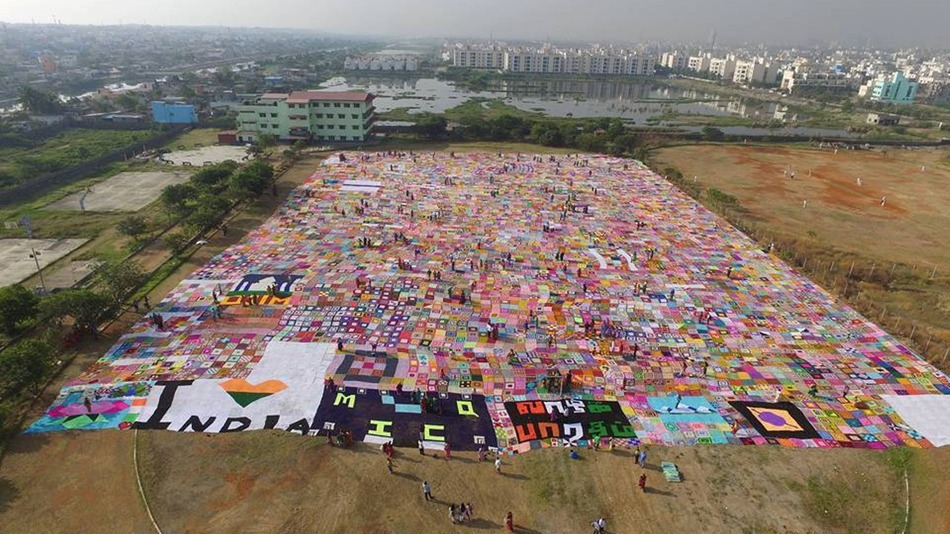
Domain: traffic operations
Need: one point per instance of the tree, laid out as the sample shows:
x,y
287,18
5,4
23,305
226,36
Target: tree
x,y
120,278
128,101
18,305
224,76
266,142
132,226
623,144
247,185
591,142
672,173
209,212
713,134
213,179
506,126
175,242
431,127
175,198
260,168
41,102
26,365
615,128
721,199
547,134
87,308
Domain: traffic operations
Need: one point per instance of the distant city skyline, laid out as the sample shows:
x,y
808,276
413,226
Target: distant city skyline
x,y
918,22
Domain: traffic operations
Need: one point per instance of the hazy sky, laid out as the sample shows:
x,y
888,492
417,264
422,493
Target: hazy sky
x,y
885,22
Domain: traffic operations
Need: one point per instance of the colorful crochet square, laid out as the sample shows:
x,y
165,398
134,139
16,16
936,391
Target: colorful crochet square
x,y
523,282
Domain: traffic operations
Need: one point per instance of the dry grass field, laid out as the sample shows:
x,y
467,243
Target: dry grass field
x,y
901,274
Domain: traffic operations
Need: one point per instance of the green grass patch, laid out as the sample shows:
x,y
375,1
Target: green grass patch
x,y
66,223
706,120
194,138
830,500
556,480
398,114
67,149
485,108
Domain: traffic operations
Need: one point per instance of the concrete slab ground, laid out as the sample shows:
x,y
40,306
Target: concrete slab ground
x,y
201,156
126,191
68,274
17,265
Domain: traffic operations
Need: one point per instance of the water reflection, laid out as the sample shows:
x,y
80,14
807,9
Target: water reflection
x,y
644,102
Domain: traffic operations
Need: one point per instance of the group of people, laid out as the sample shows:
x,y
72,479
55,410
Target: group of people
x,y
342,438
599,525
157,321
460,513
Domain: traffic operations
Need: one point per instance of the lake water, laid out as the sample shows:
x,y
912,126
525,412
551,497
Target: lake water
x,y
632,101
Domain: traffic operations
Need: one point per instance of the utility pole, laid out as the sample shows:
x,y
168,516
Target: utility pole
x,y
36,259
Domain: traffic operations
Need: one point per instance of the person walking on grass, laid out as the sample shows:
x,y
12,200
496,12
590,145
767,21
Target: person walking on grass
x,y
427,491
498,464
642,484
389,464
509,522
642,459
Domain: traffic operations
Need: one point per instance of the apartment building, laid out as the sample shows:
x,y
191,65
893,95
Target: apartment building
x,y
381,63
307,116
550,60
699,63
792,79
674,61
894,90
755,71
723,67
478,58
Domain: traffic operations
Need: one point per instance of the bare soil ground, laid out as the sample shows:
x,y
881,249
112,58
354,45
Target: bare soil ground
x,y
272,482
909,228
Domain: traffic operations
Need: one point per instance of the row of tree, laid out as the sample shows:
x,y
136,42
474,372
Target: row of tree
x,y
27,364
206,198
200,203
604,135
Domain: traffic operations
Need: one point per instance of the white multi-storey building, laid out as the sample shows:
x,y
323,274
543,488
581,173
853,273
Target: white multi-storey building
x,y
674,60
550,60
723,67
478,58
748,71
699,63
381,63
